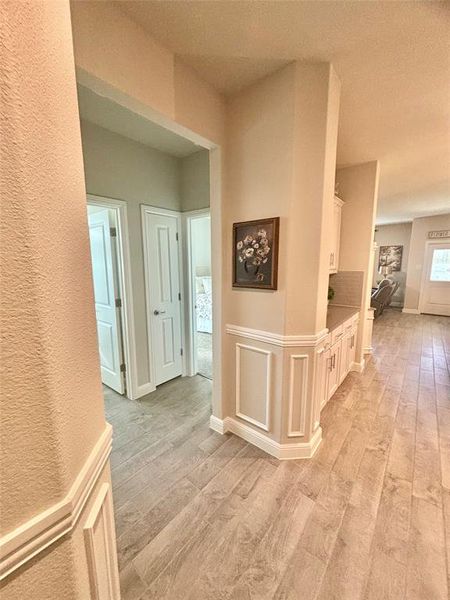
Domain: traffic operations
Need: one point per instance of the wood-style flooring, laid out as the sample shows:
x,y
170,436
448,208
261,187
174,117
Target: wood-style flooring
x,y
201,516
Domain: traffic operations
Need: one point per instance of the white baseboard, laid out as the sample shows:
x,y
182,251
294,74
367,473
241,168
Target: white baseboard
x,y
358,367
368,350
218,425
411,311
281,451
143,390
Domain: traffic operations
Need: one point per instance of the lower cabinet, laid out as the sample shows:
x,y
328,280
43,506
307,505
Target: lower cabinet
x,y
336,359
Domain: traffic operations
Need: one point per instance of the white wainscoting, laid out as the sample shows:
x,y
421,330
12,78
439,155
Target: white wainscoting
x,y
253,385
100,543
298,389
45,528
292,451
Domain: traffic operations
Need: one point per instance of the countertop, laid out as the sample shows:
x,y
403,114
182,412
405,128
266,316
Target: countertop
x,y
336,315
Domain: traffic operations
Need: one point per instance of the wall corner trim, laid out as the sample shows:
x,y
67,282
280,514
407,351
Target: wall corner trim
x,y
42,530
281,451
276,339
358,367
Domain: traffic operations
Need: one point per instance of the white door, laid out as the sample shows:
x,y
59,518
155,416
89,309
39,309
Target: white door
x,y
435,298
163,294
106,292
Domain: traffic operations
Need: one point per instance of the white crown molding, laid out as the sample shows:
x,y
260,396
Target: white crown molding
x,y
276,339
42,530
281,451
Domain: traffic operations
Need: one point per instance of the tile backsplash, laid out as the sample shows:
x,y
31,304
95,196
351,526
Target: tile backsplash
x,y
348,288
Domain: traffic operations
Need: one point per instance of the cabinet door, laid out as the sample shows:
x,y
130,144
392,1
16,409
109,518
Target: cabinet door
x,y
335,363
323,370
352,348
345,357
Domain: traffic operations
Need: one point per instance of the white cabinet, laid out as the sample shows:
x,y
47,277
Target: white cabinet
x,y
334,365
335,237
336,359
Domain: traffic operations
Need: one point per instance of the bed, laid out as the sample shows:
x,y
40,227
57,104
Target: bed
x,y
203,303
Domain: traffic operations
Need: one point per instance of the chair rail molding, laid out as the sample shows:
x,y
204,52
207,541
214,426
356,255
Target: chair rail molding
x,y
20,545
276,339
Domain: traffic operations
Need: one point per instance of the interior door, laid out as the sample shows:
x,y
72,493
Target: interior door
x,y
163,294
436,288
106,292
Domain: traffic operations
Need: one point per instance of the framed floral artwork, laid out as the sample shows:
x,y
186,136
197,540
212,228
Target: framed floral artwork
x,y
390,256
255,253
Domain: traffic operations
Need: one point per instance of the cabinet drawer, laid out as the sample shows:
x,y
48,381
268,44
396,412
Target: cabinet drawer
x,y
337,334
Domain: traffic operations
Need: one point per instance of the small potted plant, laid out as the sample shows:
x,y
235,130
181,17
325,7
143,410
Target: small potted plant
x,y
330,294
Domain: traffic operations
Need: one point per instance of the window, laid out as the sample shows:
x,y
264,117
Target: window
x,y
440,266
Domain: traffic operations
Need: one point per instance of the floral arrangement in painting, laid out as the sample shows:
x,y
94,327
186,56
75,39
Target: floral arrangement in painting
x,y
253,251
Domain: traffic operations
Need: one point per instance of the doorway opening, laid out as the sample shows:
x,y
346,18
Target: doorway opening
x,y
435,289
163,184
198,229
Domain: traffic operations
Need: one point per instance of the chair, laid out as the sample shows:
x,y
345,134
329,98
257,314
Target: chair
x,y
395,287
380,297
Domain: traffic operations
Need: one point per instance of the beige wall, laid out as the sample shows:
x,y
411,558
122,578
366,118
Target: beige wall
x,y
358,188
259,184
52,402
397,234
419,237
317,100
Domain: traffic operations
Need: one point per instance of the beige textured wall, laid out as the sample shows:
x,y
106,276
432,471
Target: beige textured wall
x,y
419,237
259,184
112,48
358,187
397,234
52,403
194,181
317,97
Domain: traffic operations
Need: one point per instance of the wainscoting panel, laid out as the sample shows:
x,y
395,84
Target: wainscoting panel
x,y
298,389
253,385
100,543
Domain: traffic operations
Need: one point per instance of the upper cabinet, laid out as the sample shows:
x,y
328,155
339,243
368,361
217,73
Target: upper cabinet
x,y
335,237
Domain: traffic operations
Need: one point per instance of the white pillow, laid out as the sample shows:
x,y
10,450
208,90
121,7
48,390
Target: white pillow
x,y
199,288
207,284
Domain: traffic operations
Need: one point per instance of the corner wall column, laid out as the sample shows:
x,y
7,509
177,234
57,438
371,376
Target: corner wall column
x,y
55,442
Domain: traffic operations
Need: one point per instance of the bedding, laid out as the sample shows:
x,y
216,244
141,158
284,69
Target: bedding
x,y
204,304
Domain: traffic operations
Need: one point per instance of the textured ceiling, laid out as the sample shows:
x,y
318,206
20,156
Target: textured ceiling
x,y
393,59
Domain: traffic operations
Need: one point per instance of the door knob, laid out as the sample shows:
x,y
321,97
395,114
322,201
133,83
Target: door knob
x,y
159,312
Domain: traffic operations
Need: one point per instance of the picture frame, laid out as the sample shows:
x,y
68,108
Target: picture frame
x,y
391,256
255,254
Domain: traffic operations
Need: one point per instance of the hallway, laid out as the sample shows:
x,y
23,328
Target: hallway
x,y
202,516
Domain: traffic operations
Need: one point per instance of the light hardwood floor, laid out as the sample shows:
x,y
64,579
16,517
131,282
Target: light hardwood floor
x,y
202,516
